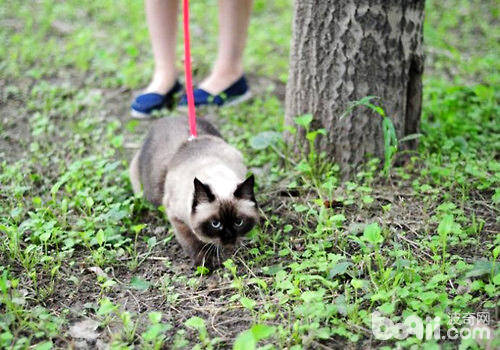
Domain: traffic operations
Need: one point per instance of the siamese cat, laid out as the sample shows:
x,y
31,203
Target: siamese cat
x,y
201,184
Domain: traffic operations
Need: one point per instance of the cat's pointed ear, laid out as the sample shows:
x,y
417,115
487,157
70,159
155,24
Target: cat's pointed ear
x,y
245,189
202,193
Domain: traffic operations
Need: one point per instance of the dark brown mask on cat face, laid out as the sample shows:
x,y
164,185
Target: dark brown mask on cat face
x,y
222,221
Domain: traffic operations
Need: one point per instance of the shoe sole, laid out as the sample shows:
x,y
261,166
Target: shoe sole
x,y
236,101
139,115
245,97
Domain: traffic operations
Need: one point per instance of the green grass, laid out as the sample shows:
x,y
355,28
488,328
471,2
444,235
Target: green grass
x,y
76,245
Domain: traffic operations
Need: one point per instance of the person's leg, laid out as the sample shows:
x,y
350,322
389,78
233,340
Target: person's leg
x,y
161,17
234,16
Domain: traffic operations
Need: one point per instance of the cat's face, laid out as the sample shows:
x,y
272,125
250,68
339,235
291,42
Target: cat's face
x,y
223,221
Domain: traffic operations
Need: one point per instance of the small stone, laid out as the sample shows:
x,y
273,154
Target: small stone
x,y
159,230
84,330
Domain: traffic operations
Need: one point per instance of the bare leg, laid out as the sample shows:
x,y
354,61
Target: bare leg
x,y
234,16
162,23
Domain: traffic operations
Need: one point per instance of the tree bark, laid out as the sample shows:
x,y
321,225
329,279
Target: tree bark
x,y
344,50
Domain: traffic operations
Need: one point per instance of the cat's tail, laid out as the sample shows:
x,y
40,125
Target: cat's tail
x,y
135,178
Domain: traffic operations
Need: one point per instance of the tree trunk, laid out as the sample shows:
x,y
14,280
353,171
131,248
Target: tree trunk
x,y
344,50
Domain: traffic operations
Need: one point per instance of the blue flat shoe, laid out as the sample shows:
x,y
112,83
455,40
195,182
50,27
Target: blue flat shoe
x,y
145,104
236,93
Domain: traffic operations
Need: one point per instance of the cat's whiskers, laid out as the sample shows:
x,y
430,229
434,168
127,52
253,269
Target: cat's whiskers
x,y
242,245
204,246
213,251
208,247
218,254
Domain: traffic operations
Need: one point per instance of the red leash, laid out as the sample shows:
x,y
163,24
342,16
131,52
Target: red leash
x,y
188,74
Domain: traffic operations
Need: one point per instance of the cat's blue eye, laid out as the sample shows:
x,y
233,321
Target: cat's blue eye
x,y
216,224
238,222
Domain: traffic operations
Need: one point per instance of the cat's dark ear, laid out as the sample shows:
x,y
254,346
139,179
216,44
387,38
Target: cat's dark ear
x,y
245,189
202,193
